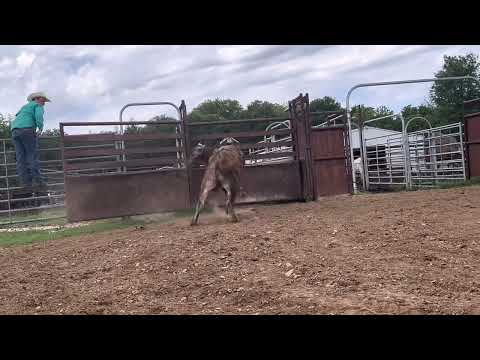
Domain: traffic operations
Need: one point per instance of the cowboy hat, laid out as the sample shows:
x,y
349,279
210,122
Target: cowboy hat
x,y
36,95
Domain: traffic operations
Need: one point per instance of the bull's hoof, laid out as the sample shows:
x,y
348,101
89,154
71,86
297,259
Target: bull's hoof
x,y
193,223
234,220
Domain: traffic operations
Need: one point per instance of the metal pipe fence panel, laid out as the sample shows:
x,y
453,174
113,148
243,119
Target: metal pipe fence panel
x,y
435,157
19,205
385,160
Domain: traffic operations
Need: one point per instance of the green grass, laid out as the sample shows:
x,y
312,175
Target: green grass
x,y
471,182
29,237
34,217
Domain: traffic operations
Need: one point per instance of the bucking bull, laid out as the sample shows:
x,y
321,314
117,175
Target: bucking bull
x,y
222,172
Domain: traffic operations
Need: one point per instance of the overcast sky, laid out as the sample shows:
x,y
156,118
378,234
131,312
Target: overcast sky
x,y
92,83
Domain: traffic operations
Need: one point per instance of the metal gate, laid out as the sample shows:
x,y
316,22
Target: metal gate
x,y
436,156
324,151
385,161
422,158
407,152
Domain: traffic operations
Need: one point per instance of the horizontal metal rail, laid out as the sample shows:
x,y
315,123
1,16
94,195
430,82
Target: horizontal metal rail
x,y
32,220
20,187
230,122
32,209
33,198
113,123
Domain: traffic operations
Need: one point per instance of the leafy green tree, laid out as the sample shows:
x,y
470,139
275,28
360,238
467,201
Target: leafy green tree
x,y
389,123
427,111
326,103
218,109
368,113
448,96
264,109
5,120
211,111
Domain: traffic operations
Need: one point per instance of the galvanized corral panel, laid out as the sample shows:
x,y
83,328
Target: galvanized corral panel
x,y
123,194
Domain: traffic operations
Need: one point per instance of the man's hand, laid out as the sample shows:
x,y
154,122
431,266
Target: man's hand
x,y
39,132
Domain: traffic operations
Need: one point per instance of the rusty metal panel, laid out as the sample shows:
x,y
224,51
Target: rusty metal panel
x,y
329,161
327,142
472,135
260,183
124,194
299,110
330,177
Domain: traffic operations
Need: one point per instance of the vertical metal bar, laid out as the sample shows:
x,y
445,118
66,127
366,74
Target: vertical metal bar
x,y
62,156
348,160
433,148
361,150
122,147
6,179
442,165
178,144
462,151
186,150
417,157
309,157
406,153
389,159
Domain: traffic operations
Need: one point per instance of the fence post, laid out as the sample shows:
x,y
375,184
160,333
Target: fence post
x,y
7,182
186,149
348,160
299,114
363,151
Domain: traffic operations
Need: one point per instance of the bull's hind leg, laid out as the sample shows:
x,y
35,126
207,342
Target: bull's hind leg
x,y
205,190
231,193
226,197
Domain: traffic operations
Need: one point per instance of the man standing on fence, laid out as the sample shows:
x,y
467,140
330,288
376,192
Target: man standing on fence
x,y
25,138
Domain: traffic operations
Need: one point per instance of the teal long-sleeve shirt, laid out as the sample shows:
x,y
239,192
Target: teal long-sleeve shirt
x,y
30,115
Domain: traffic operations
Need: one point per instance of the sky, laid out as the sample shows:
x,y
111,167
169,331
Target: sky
x,y
93,82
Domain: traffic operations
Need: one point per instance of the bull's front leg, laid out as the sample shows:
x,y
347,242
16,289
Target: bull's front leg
x,y
207,186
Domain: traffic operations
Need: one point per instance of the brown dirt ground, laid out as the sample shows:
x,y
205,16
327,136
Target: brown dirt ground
x,y
396,253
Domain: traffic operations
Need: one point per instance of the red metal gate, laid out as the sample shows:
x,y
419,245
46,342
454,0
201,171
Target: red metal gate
x,y
329,158
324,153
472,136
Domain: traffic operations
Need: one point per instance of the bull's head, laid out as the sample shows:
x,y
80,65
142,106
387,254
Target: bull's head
x,y
200,154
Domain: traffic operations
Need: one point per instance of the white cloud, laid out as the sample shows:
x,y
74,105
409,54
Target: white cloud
x,y
24,60
88,82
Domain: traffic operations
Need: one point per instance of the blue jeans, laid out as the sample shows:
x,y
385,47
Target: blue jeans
x,y
26,149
